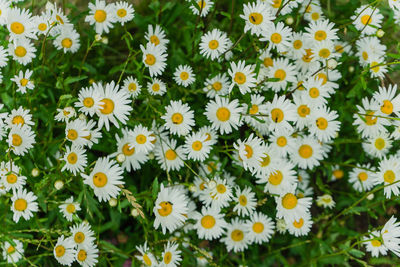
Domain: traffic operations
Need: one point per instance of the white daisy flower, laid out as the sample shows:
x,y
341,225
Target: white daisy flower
x,y
23,81
184,75
281,111
197,147
367,19
86,255
377,146
203,7
23,204
213,44
76,132
156,35
387,100
324,124
105,179
102,15
5,6
268,162
303,111
142,139
218,193
94,133
171,256
20,117
257,16
22,51
250,151
169,155
362,179
69,208
218,85
75,159
301,226
243,76
282,177
65,114
315,94
211,134
210,223
89,99
146,256
245,200
179,118
297,45
282,142
291,208
67,40
260,228
64,251
123,12
132,87
388,173
321,30
20,139
156,87
20,24
375,245
377,67
82,234
284,72
154,58
42,23
237,236
307,152
11,178
13,253
326,201
278,36
3,54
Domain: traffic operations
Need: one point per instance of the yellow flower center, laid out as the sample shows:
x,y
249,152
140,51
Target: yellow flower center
x,y
221,188
166,208
314,92
277,115
338,174
217,86
275,178
389,176
177,118
239,78
141,139
150,60
256,18
72,134
146,260
70,208
380,143
243,200
197,145
132,87
237,235
121,12
24,81
17,27
213,44
20,51
265,161
365,55
303,111
155,87
254,109
128,151
184,75
88,102
289,201
11,249
376,243
308,56
18,120
12,178
322,123
20,204
82,255
249,151
366,19
363,176
281,141
276,38
72,158
100,16
16,140
170,154
369,119
100,179
154,39
297,44
324,53
323,77
387,107
223,114
268,62
258,227
276,3
60,251
208,221
107,106
305,151
167,257
42,27
375,67
66,42
320,35
315,16
339,48
298,224
280,74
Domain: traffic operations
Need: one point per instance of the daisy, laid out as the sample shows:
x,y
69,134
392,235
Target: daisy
x,y
76,132
67,40
278,36
378,146
213,44
87,255
169,155
307,152
82,234
377,67
367,19
326,201
89,99
297,45
170,208
245,200
281,111
184,75
257,16
203,7
3,54
362,179
212,136
291,208
197,147
260,228
11,178
19,117
179,118
4,10
218,85
282,177
23,81
69,208
304,111
114,104
171,256
324,124
368,47
156,87
284,73
154,58
321,30
94,133
132,87
257,109
13,253
64,251
124,12
65,114
223,115
375,245
324,50
218,193
22,51
105,179
268,162
157,36
243,76
210,223
388,173
237,236
282,142
142,139
75,159
250,151
42,23
20,139
146,256
20,24
301,226
316,94
387,100
23,204
102,15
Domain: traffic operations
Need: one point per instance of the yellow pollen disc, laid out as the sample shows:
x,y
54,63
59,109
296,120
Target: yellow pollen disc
x,y
268,62
170,154
146,260
166,208
376,243
323,77
17,27
324,53
277,115
366,19
275,178
320,35
281,141
237,235
339,49
79,237
277,3
167,257
42,27
239,78
121,12
305,151
18,120
338,174
217,86
289,201
380,143
213,44
66,42
221,188
249,151
154,39
375,66
16,140
265,161
208,136
184,75
256,18
20,51
202,4
297,44
88,102
303,111
141,139
322,123
254,109
314,92
177,118
276,38
223,114
24,81
258,227
20,204
60,251
100,179
208,221
308,56
82,255
100,16
72,134
243,200
132,87
150,60
11,249
202,186
387,107
298,224
197,145
72,158
389,176
363,176
59,19
315,16
155,87
280,74
107,106
12,178
365,55
70,208
128,151
369,119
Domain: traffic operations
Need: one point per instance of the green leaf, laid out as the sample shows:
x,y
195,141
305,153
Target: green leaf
x,y
70,79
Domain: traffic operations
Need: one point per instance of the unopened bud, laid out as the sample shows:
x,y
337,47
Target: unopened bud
x,y
58,185
113,202
289,20
35,172
121,158
380,33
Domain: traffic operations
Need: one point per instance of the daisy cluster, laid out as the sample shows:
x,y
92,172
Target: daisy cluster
x,y
267,115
